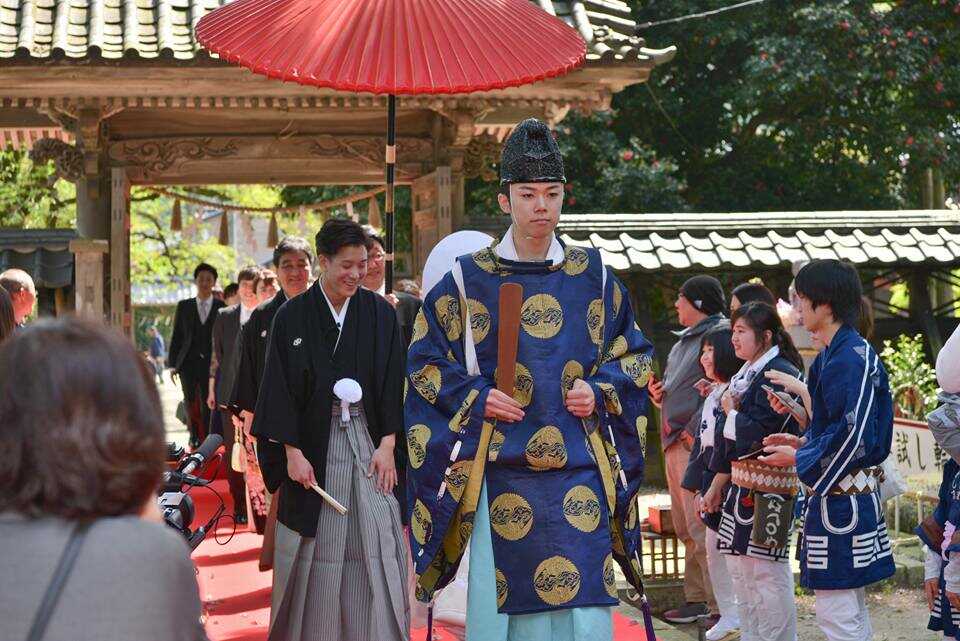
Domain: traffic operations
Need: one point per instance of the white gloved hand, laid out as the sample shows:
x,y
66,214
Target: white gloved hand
x,y
348,391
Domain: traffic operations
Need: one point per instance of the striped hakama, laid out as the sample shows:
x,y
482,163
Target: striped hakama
x,y
352,586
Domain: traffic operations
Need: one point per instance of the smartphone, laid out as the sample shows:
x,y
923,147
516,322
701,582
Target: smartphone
x,y
703,386
795,408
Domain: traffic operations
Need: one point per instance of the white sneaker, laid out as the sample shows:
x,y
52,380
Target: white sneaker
x,y
726,629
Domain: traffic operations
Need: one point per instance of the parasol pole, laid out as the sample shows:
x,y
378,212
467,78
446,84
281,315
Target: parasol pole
x,y
391,158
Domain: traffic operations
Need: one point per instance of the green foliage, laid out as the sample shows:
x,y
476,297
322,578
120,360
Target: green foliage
x,y
307,195
158,254
913,380
31,197
604,174
148,315
786,105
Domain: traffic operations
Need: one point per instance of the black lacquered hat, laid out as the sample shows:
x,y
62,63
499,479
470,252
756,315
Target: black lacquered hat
x,y
531,155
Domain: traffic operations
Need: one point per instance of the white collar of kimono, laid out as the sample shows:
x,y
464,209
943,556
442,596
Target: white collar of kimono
x,y
337,318
709,415
508,250
742,379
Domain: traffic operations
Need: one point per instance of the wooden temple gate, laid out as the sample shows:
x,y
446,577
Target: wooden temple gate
x,y
145,105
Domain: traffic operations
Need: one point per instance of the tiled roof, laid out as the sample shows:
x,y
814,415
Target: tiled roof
x,y
135,29
647,242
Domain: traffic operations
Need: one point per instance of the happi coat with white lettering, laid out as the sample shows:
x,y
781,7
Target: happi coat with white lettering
x,y
561,490
844,544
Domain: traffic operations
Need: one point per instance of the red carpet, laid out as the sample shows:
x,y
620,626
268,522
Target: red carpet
x,y
236,595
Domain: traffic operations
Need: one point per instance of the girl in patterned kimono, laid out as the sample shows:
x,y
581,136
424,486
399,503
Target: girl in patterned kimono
x,y
719,364
758,553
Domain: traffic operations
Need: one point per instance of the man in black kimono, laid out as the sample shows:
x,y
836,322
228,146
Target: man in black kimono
x,y
293,260
332,397
190,348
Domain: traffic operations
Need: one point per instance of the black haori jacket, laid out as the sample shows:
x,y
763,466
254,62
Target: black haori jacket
x,y
296,395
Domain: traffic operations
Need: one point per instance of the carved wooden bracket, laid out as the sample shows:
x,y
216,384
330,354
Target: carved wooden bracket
x,y
67,159
369,149
156,156
482,154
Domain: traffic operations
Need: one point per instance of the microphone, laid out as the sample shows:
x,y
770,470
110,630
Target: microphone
x,y
198,458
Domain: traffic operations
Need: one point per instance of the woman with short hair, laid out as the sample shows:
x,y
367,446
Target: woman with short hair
x,y
81,429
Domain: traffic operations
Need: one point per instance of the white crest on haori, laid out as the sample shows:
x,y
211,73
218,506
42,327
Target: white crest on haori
x,y
297,341
263,334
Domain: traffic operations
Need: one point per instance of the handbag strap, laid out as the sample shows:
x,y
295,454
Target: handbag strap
x,y
60,575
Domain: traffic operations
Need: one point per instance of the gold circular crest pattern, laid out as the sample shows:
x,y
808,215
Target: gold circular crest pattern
x,y
571,372
420,327
616,349
485,261
496,443
448,315
637,367
480,320
632,513
595,320
422,523
541,316
609,576
617,299
611,400
576,261
457,479
417,439
523,385
546,450
556,580
511,516
502,589
581,508
642,433
427,382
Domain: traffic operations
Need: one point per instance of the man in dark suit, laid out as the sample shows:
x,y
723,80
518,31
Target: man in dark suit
x,y
190,348
223,375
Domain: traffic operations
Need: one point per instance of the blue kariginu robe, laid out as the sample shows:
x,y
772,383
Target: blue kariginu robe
x,y
561,490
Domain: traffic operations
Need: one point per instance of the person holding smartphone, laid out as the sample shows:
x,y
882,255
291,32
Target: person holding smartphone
x,y
700,305
757,510
844,545
719,364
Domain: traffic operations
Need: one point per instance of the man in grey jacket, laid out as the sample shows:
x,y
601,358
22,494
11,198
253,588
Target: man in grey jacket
x,y
700,306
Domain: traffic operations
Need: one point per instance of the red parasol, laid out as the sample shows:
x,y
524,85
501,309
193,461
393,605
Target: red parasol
x,y
394,47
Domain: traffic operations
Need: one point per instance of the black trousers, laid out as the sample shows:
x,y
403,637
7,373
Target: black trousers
x,y
195,399
238,488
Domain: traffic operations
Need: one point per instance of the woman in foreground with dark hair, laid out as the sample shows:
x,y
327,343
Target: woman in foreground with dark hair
x,y
82,434
759,492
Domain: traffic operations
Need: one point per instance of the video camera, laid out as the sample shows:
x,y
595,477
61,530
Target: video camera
x,y
174,499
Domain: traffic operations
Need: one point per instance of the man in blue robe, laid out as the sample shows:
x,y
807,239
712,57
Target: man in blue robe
x,y
547,499
844,545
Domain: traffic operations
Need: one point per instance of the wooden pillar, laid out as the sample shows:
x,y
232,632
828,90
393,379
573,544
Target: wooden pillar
x,y
88,281
121,316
